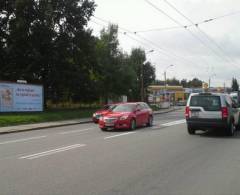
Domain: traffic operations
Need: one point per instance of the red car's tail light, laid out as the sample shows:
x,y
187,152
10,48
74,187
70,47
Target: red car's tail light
x,y
187,112
224,112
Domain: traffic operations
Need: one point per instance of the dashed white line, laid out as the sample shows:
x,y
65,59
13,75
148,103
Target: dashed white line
x,y
118,135
22,140
75,131
172,123
50,152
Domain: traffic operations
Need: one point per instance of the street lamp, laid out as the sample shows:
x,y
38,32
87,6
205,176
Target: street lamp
x,y
209,81
165,75
142,79
165,78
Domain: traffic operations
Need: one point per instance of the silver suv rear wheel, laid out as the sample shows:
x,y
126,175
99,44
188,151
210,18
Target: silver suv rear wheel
x,y
191,131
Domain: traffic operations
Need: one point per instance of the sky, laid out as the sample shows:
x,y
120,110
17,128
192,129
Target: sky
x,y
211,50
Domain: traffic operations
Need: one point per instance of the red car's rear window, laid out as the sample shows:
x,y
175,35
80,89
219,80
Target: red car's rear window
x,y
124,108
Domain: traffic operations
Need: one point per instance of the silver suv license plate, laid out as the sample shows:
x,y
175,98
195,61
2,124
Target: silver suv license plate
x,y
195,114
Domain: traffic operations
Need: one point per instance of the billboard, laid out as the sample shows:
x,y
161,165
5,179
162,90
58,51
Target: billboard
x,y
16,97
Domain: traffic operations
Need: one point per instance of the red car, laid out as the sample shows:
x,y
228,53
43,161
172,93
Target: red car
x,y
101,112
127,116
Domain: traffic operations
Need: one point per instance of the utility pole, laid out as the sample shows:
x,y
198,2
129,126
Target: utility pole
x,y
209,81
142,84
165,78
142,77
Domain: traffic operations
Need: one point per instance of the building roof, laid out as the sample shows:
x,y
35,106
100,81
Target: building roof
x,y
168,87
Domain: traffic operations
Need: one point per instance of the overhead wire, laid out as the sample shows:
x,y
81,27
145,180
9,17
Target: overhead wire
x,y
149,43
190,32
201,31
139,41
190,25
159,48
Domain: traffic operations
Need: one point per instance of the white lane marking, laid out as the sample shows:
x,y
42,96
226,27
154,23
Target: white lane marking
x,y
50,152
75,131
122,134
22,140
156,127
174,123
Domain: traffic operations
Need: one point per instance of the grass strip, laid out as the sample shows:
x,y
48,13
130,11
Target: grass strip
x,y
8,119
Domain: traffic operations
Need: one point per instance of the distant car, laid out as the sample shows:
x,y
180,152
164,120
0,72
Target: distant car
x,y
181,103
101,112
207,111
234,96
127,116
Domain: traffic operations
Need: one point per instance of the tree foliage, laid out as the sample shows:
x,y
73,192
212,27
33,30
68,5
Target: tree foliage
x,y
235,85
120,73
47,42
194,83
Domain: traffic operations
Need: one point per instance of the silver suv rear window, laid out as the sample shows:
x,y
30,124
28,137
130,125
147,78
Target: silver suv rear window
x,y
208,103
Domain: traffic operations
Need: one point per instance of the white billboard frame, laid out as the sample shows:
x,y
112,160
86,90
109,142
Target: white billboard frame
x,y
20,97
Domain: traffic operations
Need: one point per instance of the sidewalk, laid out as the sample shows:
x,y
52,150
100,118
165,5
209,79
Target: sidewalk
x,y
163,111
37,126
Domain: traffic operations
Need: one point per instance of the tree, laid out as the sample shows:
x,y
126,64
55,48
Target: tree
x,y
173,81
195,83
46,42
107,54
138,62
235,85
184,83
148,74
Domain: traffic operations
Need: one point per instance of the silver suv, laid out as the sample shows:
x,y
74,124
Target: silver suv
x,y
206,111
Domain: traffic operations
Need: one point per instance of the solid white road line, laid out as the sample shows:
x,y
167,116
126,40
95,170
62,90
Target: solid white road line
x,y
50,152
75,131
159,125
174,123
122,134
22,140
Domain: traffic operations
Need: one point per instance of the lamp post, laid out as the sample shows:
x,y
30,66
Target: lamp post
x,y
165,75
209,81
142,79
165,78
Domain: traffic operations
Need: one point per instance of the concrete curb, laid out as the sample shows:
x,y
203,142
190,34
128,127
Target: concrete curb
x,y
43,127
167,111
64,124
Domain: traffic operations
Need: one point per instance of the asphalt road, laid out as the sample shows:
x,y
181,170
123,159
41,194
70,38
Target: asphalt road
x,y
83,160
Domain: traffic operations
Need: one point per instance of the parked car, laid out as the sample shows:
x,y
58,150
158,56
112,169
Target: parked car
x,y
181,103
102,111
207,111
235,97
127,116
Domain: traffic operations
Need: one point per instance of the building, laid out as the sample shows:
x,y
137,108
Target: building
x,y
165,95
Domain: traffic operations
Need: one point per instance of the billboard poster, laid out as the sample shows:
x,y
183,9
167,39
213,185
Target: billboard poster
x,y
16,97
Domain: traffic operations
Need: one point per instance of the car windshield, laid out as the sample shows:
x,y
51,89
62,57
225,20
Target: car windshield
x,y
109,107
208,103
124,108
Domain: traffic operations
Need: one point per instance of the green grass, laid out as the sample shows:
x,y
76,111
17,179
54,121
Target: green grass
x,y
9,119
154,107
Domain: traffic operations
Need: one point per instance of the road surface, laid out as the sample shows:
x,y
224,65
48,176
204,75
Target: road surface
x,y
81,159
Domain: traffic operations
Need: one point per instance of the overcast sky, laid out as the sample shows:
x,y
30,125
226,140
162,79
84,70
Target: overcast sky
x,y
218,59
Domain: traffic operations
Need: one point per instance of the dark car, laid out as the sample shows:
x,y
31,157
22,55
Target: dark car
x,y
127,116
105,109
